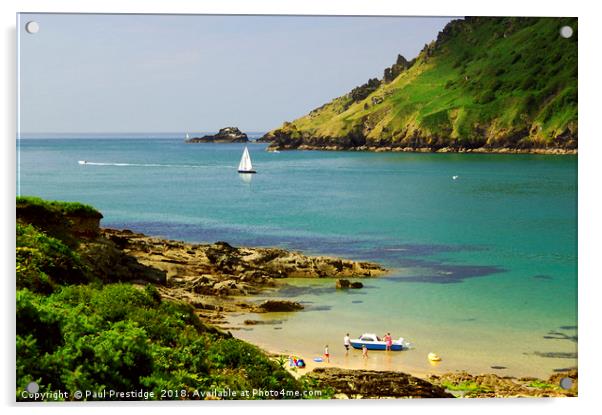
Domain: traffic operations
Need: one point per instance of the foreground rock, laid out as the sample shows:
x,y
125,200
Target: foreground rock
x,y
371,384
225,135
493,386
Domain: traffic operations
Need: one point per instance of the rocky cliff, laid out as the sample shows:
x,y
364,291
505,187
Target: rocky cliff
x,y
485,84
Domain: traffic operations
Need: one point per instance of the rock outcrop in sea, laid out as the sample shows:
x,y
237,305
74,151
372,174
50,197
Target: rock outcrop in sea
x,y
225,135
208,276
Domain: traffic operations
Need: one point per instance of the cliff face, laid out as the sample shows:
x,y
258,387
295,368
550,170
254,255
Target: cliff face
x,y
484,83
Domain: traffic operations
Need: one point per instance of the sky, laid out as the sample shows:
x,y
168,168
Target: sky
x,y
191,73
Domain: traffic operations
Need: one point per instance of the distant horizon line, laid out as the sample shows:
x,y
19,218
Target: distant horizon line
x,y
113,133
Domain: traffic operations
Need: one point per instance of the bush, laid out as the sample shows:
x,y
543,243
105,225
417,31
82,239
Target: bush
x,y
43,261
120,337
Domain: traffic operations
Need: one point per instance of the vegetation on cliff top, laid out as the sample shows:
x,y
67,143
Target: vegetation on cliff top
x,y
485,82
76,331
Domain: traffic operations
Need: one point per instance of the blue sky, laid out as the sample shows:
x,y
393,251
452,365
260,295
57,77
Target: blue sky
x,y
168,73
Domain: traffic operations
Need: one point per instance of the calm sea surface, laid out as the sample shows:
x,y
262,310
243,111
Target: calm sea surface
x,y
484,266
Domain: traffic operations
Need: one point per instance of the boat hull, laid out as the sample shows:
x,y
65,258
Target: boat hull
x,y
247,171
376,346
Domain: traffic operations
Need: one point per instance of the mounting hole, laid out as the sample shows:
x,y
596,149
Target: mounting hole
x,y
32,27
32,387
566,383
566,31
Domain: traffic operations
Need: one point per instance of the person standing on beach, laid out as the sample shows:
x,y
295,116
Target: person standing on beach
x,y
346,343
364,351
388,342
326,354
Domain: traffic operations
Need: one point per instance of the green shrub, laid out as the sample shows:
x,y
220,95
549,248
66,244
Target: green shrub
x,y
120,337
43,261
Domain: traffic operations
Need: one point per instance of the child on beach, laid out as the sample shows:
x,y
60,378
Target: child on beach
x,y
326,354
364,351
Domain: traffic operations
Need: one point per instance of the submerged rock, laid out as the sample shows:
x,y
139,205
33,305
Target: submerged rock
x,y
279,305
340,284
344,284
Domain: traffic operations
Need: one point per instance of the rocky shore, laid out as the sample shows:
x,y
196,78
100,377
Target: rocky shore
x,y
283,141
387,149
370,384
225,135
213,277
465,385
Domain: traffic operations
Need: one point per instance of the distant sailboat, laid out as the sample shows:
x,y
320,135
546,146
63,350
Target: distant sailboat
x,y
187,136
245,165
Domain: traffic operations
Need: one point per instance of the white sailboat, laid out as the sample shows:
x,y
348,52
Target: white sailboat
x,y
187,136
245,165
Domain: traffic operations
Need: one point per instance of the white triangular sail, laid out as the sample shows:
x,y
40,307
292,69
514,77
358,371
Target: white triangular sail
x,y
245,162
187,136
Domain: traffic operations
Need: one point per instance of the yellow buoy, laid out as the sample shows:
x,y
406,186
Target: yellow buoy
x,y
434,357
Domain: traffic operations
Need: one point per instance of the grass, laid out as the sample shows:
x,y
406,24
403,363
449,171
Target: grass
x,y
487,81
65,208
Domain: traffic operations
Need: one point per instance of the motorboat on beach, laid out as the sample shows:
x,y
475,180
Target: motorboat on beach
x,y
373,342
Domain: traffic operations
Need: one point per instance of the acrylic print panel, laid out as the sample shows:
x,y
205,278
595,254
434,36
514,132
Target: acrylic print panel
x,y
266,207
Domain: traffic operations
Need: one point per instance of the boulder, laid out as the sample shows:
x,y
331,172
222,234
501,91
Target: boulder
x,y
356,284
279,305
341,284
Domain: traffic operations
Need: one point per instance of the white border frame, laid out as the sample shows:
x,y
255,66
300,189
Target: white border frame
x,y
589,199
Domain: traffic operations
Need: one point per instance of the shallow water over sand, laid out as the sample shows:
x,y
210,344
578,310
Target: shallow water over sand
x,y
483,266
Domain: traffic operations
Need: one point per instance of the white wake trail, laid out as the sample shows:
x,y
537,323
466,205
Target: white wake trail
x,y
94,163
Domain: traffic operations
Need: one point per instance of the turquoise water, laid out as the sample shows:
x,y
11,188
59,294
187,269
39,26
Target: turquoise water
x,y
484,266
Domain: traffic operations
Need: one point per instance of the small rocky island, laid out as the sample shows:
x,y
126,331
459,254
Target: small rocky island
x,y
225,135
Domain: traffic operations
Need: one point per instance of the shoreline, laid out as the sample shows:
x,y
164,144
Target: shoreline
x,y
389,149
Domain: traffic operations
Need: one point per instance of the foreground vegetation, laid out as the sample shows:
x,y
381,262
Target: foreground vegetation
x,y
485,82
78,329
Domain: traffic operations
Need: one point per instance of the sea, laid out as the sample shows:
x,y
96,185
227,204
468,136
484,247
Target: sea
x,y
481,248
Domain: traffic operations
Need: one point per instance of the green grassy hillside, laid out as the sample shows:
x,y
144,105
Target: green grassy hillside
x,y
485,82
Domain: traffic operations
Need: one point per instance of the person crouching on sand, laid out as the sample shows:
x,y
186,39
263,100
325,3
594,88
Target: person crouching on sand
x,y
326,354
364,351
